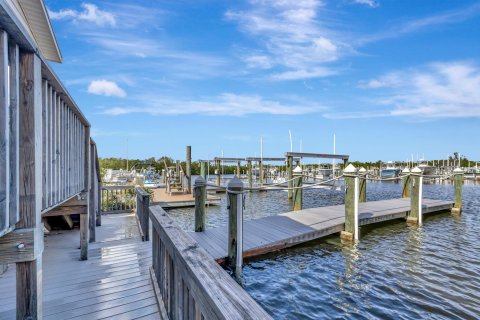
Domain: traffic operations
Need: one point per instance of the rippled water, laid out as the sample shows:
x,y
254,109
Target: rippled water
x,y
394,272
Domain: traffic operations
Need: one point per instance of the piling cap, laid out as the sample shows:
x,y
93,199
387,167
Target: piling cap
x,y
362,170
350,169
298,169
458,170
235,184
406,170
199,182
417,170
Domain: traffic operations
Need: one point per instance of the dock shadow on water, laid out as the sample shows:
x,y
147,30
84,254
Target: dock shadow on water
x,y
395,271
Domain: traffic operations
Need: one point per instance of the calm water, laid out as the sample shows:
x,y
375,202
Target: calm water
x,y
394,272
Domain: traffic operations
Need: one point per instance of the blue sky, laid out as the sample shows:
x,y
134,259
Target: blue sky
x,y
390,78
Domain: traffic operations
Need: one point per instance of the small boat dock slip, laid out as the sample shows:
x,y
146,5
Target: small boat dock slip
x,y
287,229
179,199
114,283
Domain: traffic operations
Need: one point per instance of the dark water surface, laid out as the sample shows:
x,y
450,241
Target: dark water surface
x,y
394,272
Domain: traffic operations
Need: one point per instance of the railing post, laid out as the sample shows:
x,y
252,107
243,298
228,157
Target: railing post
x,y
415,216
405,183
188,169
235,225
290,176
146,215
351,232
200,190
362,182
250,180
458,175
203,170
298,191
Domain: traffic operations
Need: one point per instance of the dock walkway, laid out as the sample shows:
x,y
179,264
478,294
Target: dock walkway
x,y
287,229
114,283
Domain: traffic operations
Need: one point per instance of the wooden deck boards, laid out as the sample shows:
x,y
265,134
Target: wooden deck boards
x,y
291,228
114,283
178,199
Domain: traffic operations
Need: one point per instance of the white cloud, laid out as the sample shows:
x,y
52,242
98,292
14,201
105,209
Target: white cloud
x,y
90,13
226,104
291,36
414,25
106,88
370,3
434,91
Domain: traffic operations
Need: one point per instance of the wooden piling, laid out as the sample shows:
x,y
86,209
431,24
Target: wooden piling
x,y
188,170
351,232
415,216
217,172
260,173
203,170
405,183
200,192
362,182
235,225
250,180
458,176
298,191
290,176
238,169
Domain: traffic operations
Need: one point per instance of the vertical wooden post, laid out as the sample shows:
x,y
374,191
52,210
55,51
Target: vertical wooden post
x,y
85,218
298,191
351,232
250,180
200,191
29,274
218,172
405,183
415,216
260,174
92,208
235,225
4,135
238,170
203,170
458,175
188,169
290,176
146,215
362,183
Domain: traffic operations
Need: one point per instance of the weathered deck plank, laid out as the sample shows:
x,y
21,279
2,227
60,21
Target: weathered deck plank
x,y
114,283
291,228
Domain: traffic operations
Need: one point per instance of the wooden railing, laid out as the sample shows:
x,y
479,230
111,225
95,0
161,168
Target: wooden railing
x,y
190,283
143,213
118,199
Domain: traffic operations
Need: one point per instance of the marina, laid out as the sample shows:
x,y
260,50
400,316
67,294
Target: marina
x,y
196,222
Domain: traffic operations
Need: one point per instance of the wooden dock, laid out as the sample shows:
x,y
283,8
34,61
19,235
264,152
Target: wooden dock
x,y
288,229
179,199
113,283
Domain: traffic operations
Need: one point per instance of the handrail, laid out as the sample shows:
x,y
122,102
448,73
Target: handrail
x,y
190,281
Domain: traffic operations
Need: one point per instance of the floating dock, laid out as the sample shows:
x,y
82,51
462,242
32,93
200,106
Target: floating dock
x,y
179,199
273,233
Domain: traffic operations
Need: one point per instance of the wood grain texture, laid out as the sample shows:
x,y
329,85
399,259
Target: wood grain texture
x,y
29,274
191,283
291,228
